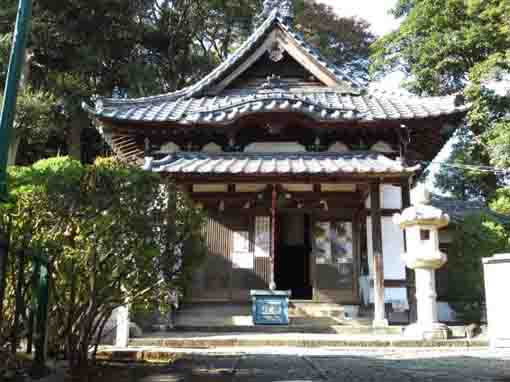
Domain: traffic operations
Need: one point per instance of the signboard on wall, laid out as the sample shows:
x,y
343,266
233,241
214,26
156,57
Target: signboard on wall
x,y
262,236
334,254
322,242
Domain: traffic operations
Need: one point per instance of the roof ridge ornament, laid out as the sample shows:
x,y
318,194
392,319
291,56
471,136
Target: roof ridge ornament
x,y
284,8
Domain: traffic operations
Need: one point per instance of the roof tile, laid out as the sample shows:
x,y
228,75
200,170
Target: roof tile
x,y
278,163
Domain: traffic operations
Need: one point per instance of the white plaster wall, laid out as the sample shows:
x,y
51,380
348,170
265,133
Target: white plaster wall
x,y
212,148
394,267
391,295
391,197
169,148
393,247
496,271
339,147
275,147
382,147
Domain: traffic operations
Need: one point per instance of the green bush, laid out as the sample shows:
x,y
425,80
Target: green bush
x,y
478,236
112,234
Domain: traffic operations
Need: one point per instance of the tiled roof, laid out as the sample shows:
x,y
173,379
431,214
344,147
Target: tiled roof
x,y
235,59
322,105
345,102
278,164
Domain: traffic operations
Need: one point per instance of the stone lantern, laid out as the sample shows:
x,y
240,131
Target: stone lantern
x,y
421,223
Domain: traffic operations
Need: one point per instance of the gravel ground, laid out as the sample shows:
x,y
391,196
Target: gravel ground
x,y
353,365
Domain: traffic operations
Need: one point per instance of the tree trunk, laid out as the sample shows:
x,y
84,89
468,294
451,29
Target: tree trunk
x,y
71,319
4,263
74,140
25,77
100,334
34,282
13,148
20,306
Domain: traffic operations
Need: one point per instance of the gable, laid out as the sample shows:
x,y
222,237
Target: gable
x,y
273,51
287,72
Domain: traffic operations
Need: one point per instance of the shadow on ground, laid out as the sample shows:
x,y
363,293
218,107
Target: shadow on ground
x,y
400,366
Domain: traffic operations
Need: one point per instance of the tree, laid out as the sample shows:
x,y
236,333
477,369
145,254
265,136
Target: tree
x,y
458,180
80,48
34,122
345,41
477,237
113,235
451,46
501,201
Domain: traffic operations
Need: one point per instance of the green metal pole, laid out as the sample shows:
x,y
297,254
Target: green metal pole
x,y
7,119
11,87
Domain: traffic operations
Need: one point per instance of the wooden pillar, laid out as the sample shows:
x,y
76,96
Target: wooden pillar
x,y
274,195
410,278
356,228
375,209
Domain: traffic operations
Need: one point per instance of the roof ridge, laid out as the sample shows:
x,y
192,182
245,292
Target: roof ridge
x,y
197,88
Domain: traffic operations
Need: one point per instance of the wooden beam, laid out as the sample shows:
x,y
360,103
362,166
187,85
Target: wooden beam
x,y
375,204
406,193
410,278
392,283
305,196
386,212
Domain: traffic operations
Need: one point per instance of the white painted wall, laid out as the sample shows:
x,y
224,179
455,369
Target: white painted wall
x,y
275,147
212,148
496,271
391,197
393,247
339,147
169,148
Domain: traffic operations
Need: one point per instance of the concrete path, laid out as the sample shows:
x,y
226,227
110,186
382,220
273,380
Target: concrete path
x,y
362,365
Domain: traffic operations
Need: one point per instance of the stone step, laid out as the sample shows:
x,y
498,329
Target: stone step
x,y
309,340
218,314
354,328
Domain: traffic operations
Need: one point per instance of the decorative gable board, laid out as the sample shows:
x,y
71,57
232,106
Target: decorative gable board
x,y
284,41
290,74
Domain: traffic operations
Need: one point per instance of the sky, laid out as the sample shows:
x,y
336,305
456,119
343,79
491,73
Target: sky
x,y
374,11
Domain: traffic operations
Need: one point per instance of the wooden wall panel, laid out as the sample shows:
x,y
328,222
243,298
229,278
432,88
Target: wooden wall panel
x,y
263,272
218,279
212,280
335,280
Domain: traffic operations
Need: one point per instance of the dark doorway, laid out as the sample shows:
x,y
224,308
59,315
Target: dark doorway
x,y
292,266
